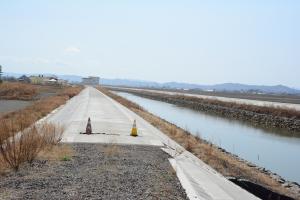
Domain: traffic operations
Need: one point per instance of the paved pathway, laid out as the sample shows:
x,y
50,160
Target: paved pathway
x,y
108,116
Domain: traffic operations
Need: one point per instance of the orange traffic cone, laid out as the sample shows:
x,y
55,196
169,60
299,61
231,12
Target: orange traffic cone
x,y
134,129
88,127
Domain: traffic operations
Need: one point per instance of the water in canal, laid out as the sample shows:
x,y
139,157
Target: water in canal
x,y
276,152
12,105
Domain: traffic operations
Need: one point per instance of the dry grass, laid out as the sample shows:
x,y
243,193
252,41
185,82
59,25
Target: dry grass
x,y
222,162
26,117
111,150
26,144
31,139
56,153
18,91
71,91
269,110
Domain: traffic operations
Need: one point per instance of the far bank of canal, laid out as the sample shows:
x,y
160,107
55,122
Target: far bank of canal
x,y
276,152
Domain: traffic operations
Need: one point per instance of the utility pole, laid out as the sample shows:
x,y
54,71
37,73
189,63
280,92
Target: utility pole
x,y
0,74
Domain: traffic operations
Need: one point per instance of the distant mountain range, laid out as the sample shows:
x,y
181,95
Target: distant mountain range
x,y
230,87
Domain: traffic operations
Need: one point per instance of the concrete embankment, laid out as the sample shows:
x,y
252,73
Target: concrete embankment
x,y
257,116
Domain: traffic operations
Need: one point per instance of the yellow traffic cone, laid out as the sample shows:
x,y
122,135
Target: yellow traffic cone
x,y
134,129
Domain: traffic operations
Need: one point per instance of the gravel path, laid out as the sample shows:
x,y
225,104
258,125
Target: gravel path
x,y
97,171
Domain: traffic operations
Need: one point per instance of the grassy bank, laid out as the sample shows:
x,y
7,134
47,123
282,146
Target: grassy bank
x,y
18,91
263,116
32,141
223,162
40,108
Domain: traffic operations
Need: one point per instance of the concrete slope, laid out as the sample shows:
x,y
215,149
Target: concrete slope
x,y
115,120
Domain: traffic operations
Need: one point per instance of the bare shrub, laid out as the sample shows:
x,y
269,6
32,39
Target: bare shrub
x,y
16,148
39,137
30,143
51,134
12,145
10,149
37,110
21,141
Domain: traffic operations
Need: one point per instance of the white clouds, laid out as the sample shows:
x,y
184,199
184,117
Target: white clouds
x,y
72,50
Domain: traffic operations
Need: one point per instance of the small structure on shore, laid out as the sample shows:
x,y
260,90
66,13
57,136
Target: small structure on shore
x,y
24,79
39,79
47,80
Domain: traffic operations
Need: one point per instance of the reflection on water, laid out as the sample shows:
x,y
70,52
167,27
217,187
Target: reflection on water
x,y
278,153
12,105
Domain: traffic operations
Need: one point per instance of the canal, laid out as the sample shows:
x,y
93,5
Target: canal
x,y
7,106
277,152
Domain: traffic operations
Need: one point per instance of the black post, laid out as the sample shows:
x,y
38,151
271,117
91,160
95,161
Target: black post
x,y
0,74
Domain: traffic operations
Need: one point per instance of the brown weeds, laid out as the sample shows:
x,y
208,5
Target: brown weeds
x,y
21,140
52,134
56,153
27,116
26,144
71,91
18,91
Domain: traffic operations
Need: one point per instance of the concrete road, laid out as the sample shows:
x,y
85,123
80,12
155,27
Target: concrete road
x,y
109,117
226,99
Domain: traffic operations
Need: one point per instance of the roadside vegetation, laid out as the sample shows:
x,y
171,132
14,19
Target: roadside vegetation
x,y
21,139
18,91
25,146
40,108
29,92
222,161
265,116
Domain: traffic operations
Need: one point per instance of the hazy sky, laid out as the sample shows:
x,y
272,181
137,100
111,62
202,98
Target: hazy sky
x,y
205,42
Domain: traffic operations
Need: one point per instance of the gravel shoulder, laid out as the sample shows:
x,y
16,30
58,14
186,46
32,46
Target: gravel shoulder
x,y
97,171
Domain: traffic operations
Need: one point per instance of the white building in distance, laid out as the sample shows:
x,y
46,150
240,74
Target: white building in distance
x,y
91,80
